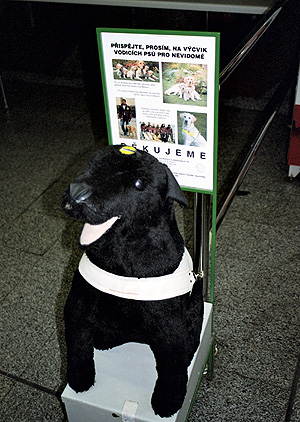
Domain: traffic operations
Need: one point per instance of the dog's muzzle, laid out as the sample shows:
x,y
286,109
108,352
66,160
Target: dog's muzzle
x,y
80,191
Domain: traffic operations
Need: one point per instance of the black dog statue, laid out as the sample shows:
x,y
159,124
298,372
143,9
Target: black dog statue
x,y
135,281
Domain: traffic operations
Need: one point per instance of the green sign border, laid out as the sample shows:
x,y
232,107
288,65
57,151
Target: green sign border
x,y
168,33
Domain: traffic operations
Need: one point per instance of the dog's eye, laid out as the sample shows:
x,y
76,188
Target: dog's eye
x,y
139,184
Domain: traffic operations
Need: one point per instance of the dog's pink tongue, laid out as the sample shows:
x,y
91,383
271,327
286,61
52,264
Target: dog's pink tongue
x,y
90,232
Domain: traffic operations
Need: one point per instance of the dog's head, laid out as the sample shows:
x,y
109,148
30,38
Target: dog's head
x,y
187,119
189,80
140,64
188,90
121,186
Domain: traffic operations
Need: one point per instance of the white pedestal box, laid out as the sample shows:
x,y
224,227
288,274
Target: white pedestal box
x,y
125,379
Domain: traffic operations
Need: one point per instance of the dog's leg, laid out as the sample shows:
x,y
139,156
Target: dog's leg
x,y
79,336
171,383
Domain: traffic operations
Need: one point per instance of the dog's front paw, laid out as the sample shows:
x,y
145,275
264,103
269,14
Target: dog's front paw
x,y
167,400
81,379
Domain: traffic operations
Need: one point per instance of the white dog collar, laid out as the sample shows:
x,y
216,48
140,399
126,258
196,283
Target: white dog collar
x,y
152,288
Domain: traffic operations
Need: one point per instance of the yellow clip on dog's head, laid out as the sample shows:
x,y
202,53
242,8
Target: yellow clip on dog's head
x,y
127,150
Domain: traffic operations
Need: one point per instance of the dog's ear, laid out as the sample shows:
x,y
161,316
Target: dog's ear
x,y
193,119
174,190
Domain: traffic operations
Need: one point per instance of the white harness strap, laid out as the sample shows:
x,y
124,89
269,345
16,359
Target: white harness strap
x,y
152,288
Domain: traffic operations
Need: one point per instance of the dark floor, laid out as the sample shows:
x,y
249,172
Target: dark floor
x,y
46,138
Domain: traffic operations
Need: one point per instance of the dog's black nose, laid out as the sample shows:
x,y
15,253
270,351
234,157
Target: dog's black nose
x,y
80,191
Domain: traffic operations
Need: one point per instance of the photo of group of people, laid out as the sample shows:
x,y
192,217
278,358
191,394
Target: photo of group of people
x,y
136,70
157,132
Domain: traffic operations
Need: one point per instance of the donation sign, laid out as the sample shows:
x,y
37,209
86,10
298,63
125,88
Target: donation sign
x,y
161,96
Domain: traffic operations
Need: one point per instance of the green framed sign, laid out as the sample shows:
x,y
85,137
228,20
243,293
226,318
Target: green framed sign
x,y
161,95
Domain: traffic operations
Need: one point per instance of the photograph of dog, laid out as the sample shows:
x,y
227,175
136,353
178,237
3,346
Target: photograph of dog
x,y
191,133
131,131
135,280
184,83
136,70
126,117
159,132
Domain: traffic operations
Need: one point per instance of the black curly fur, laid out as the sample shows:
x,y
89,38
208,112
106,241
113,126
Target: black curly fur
x,y
144,242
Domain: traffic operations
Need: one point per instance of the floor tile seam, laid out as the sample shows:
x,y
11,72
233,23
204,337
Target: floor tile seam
x,y
259,246
56,180
224,251
30,204
260,328
30,252
49,246
261,264
255,327
75,120
47,249
251,357
262,307
20,164
262,315
292,398
275,192
271,384
255,220
248,336
23,381
232,220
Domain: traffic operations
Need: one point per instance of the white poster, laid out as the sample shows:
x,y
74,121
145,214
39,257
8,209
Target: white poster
x,y
160,92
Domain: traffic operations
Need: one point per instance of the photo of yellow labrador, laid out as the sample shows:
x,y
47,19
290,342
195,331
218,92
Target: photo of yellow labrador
x,y
184,83
191,136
